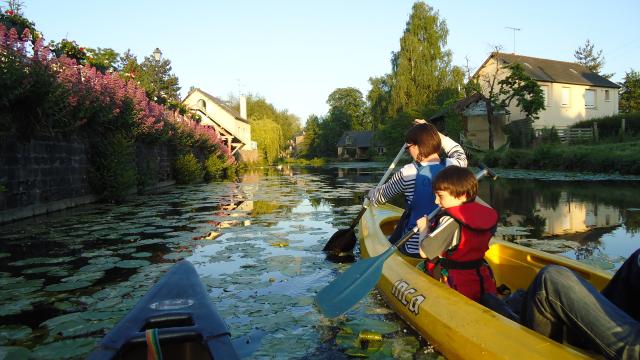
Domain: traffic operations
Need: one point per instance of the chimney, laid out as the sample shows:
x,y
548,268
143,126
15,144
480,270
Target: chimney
x,y
243,107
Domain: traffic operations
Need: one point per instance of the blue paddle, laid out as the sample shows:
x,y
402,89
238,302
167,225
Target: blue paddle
x,y
355,283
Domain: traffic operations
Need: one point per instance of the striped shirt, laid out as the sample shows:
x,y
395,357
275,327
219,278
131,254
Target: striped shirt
x,y
404,180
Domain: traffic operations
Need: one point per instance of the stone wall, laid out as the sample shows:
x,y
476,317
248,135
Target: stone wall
x,y
47,175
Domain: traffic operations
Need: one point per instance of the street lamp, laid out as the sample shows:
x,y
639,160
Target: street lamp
x,y
157,54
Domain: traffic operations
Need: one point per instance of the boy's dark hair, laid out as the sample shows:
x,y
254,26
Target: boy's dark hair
x,y
457,181
425,137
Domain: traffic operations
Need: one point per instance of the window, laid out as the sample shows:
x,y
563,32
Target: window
x,y
545,93
590,99
202,104
607,95
566,96
348,140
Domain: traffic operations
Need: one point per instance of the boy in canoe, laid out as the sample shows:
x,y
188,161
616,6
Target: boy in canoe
x,y
414,180
460,236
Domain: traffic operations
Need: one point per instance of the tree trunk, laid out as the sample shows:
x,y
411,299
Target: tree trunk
x,y
490,119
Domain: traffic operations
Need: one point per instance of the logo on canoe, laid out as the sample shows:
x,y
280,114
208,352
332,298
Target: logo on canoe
x,y
407,296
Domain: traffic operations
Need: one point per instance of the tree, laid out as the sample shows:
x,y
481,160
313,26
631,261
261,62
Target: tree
x,y
102,59
349,102
630,95
499,93
591,59
311,132
268,135
422,67
156,78
378,99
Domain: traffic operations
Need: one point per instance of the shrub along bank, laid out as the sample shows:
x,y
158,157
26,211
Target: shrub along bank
x,y
48,95
621,158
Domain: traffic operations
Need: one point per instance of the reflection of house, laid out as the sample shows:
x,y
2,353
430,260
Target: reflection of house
x,y
572,216
572,94
357,145
232,126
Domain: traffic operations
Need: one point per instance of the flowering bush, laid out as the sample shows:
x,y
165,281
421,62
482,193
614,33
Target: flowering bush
x,y
13,19
45,93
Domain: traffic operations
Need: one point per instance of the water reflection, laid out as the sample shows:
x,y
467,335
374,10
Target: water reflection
x,y
67,278
575,216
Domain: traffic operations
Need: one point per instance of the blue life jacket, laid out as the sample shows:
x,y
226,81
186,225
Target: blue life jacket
x,y
423,201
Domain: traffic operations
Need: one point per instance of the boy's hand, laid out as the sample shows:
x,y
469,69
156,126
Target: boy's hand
x,y
423,225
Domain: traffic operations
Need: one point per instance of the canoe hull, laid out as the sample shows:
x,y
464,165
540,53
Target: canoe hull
x,y
188,324
457,326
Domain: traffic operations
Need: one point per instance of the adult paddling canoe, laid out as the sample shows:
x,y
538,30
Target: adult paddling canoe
x,y
174,320
457,326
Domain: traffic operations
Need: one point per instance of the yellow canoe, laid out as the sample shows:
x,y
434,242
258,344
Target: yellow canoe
x,y
458,327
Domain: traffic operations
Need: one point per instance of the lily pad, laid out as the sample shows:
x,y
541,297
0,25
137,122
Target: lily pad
x,y
131,264
87,276
141,254
104,260
13,352
65,349
13,333
68,286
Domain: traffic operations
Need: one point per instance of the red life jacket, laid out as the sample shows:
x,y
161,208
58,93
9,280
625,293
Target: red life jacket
x,y
463,267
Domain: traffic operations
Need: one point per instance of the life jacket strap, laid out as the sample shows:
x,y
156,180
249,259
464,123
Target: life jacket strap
x,y
460,265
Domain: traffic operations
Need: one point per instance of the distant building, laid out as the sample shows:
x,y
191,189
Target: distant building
x,y
357,145
572,94
232,125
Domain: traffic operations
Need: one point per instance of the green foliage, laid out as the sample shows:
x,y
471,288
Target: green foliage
x,y
610,126
549,136
523,89
70,49
392,134
259,109
604,158
187,169
113,171
422,68
156,78
520,133
2,188
14,18
32,102
217,168
102,59
268,135
379,97
349,103
147,174
630,96
590,59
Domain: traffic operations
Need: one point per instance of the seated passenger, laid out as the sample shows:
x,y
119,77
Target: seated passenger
x,y
414,180
562,305
460,236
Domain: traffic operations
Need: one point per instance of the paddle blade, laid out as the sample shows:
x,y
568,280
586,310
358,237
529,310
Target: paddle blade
x,y
347,289
343,240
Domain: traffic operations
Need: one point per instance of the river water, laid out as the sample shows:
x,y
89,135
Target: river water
x,y
67,278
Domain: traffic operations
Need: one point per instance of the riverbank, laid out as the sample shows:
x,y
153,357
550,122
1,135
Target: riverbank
x,y
621,158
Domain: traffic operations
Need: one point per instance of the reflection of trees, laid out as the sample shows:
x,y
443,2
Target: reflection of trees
x,y
535,223
261,207
632,221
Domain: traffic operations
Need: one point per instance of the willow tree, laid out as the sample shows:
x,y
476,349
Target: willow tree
x,y
268,134
422,68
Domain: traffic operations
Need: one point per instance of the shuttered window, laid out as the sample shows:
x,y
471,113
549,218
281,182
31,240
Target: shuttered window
x,y
566,96
590,98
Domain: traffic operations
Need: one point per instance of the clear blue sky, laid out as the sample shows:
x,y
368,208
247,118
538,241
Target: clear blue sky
x,y
294,53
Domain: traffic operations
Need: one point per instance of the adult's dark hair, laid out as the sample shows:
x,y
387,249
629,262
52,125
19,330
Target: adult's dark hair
x,y
457,181
425,137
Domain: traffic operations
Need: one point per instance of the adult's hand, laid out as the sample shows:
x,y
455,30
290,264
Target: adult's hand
x,y
419,121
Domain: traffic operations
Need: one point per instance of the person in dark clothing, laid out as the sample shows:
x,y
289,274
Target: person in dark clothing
x,y
560,304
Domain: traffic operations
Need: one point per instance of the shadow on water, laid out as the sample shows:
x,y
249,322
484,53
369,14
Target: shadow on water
x,y
67,278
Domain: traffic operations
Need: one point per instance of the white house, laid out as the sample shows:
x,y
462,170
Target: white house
x,y
572,93
232,125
